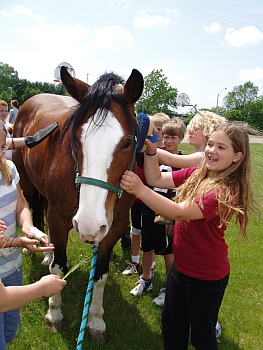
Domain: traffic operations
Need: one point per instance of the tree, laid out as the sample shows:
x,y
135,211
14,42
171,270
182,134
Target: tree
x,y
233,115
254,111
240,96
158,95
8,79
24,89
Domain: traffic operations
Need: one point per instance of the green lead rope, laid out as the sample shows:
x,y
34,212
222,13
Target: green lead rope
x,y
87,299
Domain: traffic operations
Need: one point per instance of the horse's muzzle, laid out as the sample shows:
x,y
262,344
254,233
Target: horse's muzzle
x,y
92,238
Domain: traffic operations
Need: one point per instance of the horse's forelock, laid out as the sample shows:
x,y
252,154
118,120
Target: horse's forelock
x,y
99,96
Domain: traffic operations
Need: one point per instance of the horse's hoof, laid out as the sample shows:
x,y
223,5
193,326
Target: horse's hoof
x,y
97,336
45,262
54,327
27,252
48,258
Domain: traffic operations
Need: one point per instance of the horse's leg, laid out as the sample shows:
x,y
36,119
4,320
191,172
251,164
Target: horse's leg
x,y
59,266
96,325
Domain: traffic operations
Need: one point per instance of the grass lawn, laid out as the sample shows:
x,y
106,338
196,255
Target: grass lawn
x,y
134,323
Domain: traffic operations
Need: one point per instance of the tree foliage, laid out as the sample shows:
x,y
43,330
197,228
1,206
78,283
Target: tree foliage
x,y
244,104
158,95
11,87
254,113
241,96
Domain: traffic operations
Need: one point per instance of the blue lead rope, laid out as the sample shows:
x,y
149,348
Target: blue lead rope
x,y
87,299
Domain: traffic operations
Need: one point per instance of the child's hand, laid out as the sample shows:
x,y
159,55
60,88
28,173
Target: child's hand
x,y
51,285
32,244
151,147
36,233
2,227
169,230
131,183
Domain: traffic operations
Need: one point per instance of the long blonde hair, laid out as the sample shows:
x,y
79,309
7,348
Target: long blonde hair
x,y
232,187
4,167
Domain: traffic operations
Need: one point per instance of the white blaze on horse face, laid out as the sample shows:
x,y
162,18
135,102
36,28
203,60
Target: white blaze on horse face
x,y
98,145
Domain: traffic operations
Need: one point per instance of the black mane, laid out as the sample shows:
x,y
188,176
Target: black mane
x,y
99,96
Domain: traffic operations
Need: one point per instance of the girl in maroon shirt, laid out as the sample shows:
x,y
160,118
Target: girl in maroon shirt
x,y
209,196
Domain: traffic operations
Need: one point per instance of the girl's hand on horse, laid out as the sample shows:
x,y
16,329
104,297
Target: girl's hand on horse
x,y
131,183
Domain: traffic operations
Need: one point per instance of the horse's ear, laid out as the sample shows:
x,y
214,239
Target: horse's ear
x,y
75,87
133,87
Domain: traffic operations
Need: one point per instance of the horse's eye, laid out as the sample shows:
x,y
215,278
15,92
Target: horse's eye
x,y
126,144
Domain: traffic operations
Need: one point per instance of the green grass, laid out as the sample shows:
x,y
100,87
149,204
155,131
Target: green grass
x,y
135,322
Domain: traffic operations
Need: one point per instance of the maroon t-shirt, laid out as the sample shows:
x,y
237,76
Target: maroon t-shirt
x,y
199,247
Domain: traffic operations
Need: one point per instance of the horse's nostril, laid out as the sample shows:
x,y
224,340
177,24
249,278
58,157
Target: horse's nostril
x,y
90,242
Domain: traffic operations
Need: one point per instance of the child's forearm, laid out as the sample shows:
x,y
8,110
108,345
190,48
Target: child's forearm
x,y
16,142
6,242
14,297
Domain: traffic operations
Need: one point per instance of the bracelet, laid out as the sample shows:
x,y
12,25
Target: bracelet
x,y
11,250
13,144
150,155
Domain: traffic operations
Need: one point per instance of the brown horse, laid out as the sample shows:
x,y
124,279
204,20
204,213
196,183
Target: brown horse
x,y
96,136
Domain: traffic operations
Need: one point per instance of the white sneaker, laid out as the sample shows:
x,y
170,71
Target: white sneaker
x,y
218,330
142,286
159,301
152,271
132,268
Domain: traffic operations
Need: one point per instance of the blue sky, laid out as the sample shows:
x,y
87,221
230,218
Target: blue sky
x,y
203,46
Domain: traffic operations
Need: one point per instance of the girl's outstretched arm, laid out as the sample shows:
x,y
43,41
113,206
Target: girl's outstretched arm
x,y
132,184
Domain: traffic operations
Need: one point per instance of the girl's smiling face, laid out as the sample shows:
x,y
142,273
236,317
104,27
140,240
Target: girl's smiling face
x,y
219,153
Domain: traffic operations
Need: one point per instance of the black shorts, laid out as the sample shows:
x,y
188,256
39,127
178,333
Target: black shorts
x,y
154,237
136,218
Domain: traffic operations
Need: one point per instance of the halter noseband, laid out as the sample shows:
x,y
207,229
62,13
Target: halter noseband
x,y
103,184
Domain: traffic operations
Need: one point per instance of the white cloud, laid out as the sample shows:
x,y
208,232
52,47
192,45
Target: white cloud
x,y
111,38
253,75
214,28
148,22
160,18
244,36
5,13
51,45
22,10
126,3
59,36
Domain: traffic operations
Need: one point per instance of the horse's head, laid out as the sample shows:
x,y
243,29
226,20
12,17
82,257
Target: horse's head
x,y
102,131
